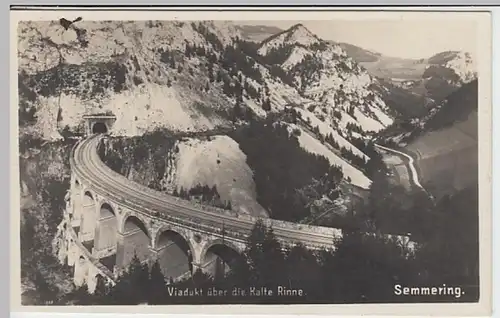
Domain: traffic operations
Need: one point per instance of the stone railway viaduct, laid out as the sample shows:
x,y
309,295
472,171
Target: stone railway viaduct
x,y
109,219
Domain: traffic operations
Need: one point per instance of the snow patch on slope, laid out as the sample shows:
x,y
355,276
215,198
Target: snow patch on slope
x,y
312,145
325,130
367,123
220,162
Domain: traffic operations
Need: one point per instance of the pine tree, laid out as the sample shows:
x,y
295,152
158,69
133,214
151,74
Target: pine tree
x,y
276,258
211,73
59,115
227,89
254,250
212,58
265,257
81,296
249,115
124,292
182,193
266,105
101,292
303,270
165,57
237,111
157,290
137,279
47,292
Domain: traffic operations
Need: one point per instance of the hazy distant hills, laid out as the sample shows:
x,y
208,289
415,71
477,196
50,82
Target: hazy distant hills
x,y
435,77
386,66
257,33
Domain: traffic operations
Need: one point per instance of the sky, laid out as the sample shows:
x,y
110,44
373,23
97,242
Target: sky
x,y
397,38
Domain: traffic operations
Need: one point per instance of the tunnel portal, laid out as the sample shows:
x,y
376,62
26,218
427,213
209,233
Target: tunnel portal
x,y
99,123
99,128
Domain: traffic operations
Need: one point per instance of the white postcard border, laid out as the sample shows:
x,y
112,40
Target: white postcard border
x,y
485,172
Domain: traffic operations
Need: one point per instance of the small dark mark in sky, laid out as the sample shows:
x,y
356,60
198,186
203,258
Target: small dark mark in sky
x,y
80,33
66,23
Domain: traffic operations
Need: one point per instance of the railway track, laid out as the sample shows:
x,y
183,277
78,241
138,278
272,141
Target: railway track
x,y
85,160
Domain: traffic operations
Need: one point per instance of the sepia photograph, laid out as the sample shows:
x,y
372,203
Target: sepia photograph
x,y
214,159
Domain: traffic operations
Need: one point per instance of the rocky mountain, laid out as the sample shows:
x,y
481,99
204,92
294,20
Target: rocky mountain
x,y
335,87
194,76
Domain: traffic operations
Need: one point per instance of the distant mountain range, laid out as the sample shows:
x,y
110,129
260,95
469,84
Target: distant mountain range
x,y
257,33
432,78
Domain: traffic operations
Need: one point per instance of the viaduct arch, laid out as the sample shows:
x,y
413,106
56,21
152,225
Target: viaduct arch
x,y
174,253
88,217
135,240
219,257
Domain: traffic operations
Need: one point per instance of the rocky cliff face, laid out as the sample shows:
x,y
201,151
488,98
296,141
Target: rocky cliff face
x,y
44,178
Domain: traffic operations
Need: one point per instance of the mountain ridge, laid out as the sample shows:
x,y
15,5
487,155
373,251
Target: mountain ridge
x,y
174,75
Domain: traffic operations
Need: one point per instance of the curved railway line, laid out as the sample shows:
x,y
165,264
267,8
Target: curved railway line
x,y
108,183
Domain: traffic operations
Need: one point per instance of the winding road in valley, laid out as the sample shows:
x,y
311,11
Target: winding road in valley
x,y
410,163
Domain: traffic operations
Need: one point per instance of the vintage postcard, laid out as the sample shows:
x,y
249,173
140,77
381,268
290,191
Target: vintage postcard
x,y
287,161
